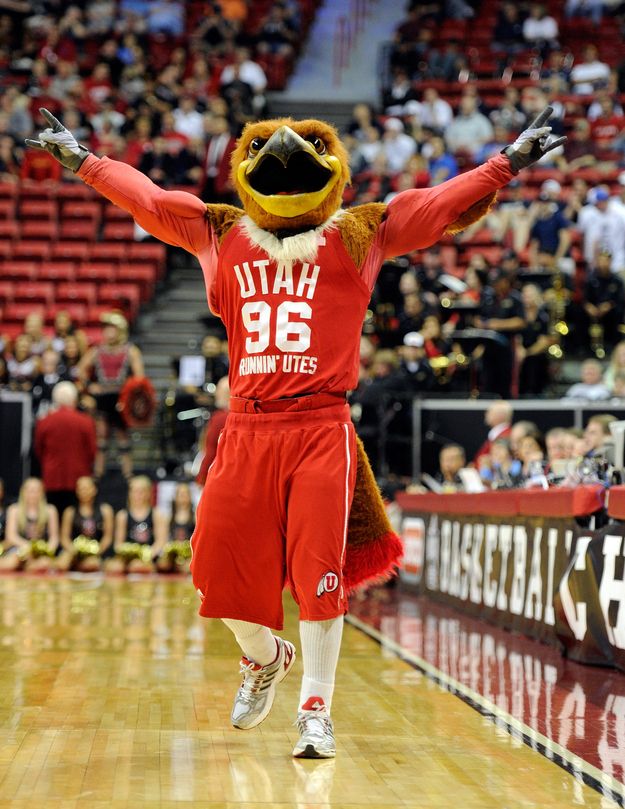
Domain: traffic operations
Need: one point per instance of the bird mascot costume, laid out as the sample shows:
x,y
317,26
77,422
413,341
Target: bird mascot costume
x,y
290,498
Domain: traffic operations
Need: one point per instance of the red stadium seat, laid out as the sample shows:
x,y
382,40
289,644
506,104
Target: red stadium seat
x,y
94,313
7,208
110,252
31,249
149,253
79,230
119,231
121,296
40,229
9,229
77,312
19,270
104,273
76,251
38,209
76,192
6,291
35,291
114,214
8,190
57,271
82,210
83,292
18,312
29,189
142,274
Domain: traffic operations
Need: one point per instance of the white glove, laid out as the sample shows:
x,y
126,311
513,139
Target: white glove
x,y
533,143
59,142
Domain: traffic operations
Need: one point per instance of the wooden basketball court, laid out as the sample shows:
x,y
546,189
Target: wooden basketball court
x,y
116,695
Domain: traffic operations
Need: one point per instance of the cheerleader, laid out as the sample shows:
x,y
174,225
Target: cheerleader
x,y
86,530
140,530
32,530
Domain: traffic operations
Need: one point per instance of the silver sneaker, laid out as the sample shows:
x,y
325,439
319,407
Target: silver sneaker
x,y
254,698
316,735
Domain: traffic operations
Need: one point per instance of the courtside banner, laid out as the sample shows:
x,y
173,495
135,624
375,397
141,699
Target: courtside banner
x,y
543,576
505,571
590,603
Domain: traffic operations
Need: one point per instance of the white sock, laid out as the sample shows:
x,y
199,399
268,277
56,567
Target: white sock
x,y
321,644
256,641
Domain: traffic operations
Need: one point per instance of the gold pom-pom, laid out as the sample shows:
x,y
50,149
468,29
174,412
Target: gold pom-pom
x,y
178,551
134,550
84,546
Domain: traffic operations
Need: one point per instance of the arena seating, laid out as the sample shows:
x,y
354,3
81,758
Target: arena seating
x,y
64,247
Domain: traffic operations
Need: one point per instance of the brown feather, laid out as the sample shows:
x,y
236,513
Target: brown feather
x,y
358,227
473,214
367,519
222,217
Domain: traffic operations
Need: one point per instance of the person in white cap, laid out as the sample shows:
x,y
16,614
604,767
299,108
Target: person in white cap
x,y
602,229
398,146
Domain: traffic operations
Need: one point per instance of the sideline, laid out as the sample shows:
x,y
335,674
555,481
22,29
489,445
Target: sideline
x,y
573,764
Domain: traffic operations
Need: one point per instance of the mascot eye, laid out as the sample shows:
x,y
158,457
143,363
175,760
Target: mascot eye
x,y
256,145
318,145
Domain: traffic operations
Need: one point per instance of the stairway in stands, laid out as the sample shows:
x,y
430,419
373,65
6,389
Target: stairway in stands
x,y
171,327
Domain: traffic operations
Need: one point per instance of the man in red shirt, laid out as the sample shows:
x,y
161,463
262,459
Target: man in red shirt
x,y
291,277
65,444
608,126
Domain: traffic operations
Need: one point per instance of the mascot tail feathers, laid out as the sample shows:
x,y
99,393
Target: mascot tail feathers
x,y
372,563
373,548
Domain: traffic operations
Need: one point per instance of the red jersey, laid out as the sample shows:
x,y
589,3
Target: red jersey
x,y
293,326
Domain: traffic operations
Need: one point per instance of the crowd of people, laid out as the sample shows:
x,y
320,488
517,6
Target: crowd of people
x,y
88,536
518,454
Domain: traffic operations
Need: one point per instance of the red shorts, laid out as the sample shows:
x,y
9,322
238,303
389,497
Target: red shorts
x,y
274,511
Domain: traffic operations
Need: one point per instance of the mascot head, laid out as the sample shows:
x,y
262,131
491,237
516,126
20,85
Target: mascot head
x,y
290,175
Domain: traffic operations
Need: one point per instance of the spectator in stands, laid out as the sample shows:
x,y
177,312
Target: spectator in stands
x,y
141,531
503,314
36,166
608,125
550,234
398,147
495,145
451,460
435,112
368,148
22,365
103,370
412,315
363,117
597,434
166,17
509,114
500,469
590,72
602,229
556,443
187,119
64,328
603,93
9,160
33,327
469,130
245,69
539,29
580,151
50,373
70,358
217,186
65,444
66,79
576,200
585,8
399,93
532,453
165,163
604,298
89,519
616,365
590,388
32,530
498,419
508,33
518,431
531,353
414,374
214,428
447,64
277,33
441,165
